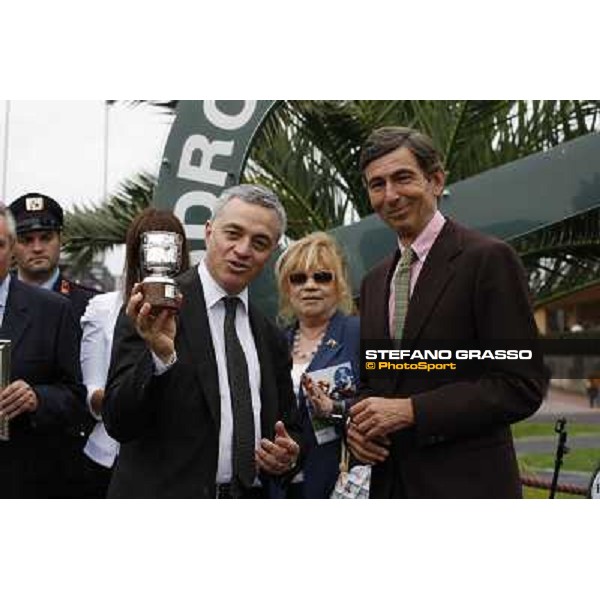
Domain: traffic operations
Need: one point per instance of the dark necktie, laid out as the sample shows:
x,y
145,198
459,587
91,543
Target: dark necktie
x,y
244,469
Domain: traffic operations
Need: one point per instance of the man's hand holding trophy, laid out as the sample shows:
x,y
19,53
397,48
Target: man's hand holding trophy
x,y
155,302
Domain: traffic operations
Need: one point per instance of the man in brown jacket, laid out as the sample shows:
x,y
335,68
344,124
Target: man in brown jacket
x,y
436,436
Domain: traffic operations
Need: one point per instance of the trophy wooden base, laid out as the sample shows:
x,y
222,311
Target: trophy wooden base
x,y
161,295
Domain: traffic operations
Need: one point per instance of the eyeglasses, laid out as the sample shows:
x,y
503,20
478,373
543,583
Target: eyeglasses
x,y
317,277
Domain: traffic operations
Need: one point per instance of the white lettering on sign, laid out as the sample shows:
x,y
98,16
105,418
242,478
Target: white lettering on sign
x,y
226,121
203,173
193,231
201,169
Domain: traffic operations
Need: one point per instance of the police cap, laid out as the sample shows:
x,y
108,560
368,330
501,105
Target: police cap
x,y
36,212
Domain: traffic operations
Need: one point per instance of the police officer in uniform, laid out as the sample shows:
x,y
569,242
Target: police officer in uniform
x,y
39,221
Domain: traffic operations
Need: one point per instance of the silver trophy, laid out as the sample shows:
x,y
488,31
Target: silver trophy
x,y
4,381
161,260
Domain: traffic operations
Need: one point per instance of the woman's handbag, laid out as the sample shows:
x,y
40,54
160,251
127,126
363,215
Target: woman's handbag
x,y
352,482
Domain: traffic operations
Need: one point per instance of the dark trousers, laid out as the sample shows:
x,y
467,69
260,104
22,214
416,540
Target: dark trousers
x,y
295,491
96,478
40,466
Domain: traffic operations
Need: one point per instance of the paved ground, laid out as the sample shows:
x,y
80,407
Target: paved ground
x,y
542,445
574,407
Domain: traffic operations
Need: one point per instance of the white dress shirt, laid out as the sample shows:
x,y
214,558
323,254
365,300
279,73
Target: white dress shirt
x,y
98,324
50,283
215,307
4,296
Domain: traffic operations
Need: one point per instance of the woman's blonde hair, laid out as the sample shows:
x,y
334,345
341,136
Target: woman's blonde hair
x,y
313,252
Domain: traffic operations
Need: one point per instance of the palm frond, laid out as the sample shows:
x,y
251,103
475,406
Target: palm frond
x,y
563,257
307,151
92,229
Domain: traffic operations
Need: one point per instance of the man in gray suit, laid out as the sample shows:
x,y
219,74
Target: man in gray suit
x,y
190,421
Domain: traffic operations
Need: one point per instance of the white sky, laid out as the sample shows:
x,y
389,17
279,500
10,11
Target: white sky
x,y
57,148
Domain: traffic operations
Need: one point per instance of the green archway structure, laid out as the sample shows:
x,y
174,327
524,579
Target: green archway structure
x,y
205,153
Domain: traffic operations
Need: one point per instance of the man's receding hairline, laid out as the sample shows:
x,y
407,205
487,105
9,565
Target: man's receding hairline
x,y
272,237
9,235
416,166
220,215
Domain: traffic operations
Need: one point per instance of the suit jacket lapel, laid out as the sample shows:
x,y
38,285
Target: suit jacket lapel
x,y
381,327
437,271
331,345
193,320
16,317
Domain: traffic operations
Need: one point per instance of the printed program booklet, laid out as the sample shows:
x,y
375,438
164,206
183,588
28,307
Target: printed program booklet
x,y
338,382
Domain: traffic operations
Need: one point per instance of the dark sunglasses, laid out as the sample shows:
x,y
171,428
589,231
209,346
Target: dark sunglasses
x,y
317,277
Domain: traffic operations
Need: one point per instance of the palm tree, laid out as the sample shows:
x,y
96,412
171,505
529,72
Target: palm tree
x,y
308,151
93,229
562,258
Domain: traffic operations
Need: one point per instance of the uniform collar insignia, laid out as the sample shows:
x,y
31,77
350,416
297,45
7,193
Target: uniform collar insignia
x,y
65,287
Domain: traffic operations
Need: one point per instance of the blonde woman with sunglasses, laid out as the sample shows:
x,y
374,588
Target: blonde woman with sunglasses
x,y
324,340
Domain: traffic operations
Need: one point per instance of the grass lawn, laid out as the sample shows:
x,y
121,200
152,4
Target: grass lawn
x,y
536,494
525,429
584,459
